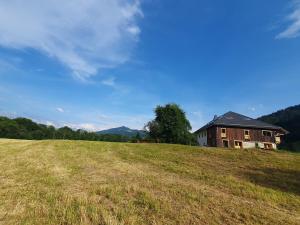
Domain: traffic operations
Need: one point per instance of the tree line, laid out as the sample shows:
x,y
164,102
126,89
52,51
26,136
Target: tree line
x,y
23,128
170,125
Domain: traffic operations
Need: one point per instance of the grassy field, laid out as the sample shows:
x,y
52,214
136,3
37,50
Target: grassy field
x,y
77,182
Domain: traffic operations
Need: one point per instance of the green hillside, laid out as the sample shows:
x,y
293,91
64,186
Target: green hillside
x,y
123,131
81,182
289,119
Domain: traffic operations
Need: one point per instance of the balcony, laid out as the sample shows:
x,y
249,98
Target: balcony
x,y
247,137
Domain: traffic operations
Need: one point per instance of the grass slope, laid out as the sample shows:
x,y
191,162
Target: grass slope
x,y
77,182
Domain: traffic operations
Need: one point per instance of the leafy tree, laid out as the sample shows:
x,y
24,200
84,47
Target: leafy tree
x,y
28,124
65,133
9,128
170,125
137,138
51,132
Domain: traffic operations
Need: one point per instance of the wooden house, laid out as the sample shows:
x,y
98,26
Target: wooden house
x,y
233,130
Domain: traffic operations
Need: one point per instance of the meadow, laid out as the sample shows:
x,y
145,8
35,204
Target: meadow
x,y
83,182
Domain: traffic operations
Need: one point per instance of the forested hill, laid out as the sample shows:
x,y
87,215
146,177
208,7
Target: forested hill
x,y
22,128
289,119
124,131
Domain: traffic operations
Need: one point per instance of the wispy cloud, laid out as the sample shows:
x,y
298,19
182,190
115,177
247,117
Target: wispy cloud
x,y
105,122
83,35
60,109
109,82
49,123
84,126
197,113
9,64
196,119
293,30
253,109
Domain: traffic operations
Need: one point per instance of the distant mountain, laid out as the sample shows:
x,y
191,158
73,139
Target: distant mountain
x,y
124,131
289,119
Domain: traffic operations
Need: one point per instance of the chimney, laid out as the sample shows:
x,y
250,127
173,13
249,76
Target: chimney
x,y
215,117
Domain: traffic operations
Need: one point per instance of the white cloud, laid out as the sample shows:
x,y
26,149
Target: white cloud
x,y
5,66
253,109
109,81
49,123
197,119
134,30
99,121
84,126
293,30
9,64
60,109
197,113
84,35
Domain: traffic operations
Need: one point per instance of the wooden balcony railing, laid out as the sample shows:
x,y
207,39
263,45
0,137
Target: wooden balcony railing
x,y
247,137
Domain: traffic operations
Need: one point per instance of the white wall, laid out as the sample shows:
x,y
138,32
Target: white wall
x,y
202,138
248,144
252,144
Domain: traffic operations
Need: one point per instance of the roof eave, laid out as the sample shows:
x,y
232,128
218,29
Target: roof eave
x,y
238,125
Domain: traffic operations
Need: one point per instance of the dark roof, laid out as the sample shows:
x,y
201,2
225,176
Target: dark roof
x,y
233,119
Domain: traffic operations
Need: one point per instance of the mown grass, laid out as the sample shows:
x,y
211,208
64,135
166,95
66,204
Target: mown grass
x,y
78,182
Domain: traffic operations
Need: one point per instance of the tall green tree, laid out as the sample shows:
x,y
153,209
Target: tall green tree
x,y
170,125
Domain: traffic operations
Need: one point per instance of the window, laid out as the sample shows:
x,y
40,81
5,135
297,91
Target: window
x,y
277,139
268,146
223,132
267,133
247,134
238,144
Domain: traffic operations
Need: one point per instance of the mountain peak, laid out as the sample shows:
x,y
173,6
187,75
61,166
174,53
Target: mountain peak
x,y
123,127
123,130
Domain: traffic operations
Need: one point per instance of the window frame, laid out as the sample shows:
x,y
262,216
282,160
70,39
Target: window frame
x,y
277,139
248,135
268,144
240,146
271,133
223,134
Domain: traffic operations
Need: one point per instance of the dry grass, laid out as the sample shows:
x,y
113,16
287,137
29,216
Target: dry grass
x,y
77,182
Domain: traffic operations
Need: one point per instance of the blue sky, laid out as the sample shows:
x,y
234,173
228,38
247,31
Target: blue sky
x,y
99,64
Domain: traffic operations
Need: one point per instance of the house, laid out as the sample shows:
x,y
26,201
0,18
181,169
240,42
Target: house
x,y
233,130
